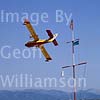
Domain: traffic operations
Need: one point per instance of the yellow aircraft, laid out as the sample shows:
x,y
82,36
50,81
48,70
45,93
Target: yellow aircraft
x,y
39,43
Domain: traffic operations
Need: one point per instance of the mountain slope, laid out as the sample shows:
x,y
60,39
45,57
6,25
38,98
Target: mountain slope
x,y
45,95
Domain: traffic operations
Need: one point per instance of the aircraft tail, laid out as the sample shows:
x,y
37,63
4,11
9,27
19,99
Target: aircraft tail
x,y
52,37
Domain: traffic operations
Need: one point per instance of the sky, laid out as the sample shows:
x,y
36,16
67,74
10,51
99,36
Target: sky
x,y
13,34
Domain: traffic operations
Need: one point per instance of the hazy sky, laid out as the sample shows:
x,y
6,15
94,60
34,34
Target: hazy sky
x,y
86,15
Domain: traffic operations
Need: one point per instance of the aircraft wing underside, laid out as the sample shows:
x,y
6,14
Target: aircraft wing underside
x,y
45,53
31,30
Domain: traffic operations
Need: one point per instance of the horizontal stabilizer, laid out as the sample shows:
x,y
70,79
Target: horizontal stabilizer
x,y
51,36
49,33
55,42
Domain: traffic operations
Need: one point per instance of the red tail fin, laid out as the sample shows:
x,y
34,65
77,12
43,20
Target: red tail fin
x,y
51,36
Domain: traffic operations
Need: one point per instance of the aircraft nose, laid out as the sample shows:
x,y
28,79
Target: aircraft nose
x,y
26,45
